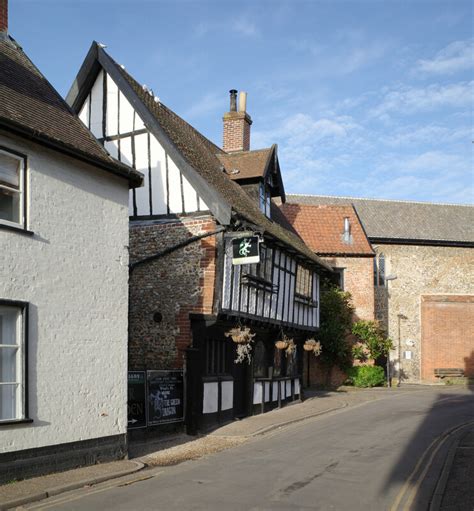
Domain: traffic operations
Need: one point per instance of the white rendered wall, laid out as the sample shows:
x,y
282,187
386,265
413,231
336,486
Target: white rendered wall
x,y
74,274
166,190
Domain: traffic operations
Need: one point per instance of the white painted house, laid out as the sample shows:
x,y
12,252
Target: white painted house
x,y
63,280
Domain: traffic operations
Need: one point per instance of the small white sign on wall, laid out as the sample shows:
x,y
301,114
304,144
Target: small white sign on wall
x,y
407,355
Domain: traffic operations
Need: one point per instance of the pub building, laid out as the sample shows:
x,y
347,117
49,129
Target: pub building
x,y
219,289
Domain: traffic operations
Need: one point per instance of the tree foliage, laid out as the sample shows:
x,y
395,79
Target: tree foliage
x,y
372,338
335,324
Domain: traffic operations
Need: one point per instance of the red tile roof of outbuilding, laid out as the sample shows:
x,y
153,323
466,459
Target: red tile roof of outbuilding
x,y
322,229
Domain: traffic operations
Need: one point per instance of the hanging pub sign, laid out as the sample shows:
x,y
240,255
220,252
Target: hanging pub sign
x,y
165,397
246,250
136,404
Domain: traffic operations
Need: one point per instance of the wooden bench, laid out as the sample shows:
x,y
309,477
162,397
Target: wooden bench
x,y
449,372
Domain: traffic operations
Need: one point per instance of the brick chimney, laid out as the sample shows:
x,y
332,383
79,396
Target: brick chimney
x,y
3,17
236,124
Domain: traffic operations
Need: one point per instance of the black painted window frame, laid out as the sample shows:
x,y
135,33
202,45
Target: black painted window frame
x,y
24,308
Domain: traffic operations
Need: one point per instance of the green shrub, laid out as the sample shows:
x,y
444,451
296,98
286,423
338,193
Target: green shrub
x,y
366,376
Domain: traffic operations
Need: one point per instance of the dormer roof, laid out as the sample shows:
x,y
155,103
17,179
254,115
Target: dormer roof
x,y
257,165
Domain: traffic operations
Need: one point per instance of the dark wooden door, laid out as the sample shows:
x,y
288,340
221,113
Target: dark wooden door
x,y
241,374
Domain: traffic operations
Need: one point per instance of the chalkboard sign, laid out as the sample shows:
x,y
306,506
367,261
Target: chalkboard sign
x,y
136,406
165,397
245,250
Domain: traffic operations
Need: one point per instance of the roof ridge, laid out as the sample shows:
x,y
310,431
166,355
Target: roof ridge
x,y
168,109
380,200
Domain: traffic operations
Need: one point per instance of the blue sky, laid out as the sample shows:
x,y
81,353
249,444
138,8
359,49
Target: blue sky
x,y
364,98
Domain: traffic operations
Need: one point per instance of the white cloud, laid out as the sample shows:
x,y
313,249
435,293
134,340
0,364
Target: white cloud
x,y
430,134
407,100
457,56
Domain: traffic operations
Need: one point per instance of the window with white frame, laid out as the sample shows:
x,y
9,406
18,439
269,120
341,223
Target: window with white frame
x,y
12,188
379,270
12,361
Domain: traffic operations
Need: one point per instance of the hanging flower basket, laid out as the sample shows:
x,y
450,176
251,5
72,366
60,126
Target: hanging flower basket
x,y
281,345
240,335
291,348
313,345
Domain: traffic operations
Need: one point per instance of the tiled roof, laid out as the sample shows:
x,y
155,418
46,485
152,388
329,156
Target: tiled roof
x,y
200,153
322,227
246,164
31,107
404,220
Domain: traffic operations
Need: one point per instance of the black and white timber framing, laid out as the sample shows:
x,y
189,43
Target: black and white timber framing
x,y
279,293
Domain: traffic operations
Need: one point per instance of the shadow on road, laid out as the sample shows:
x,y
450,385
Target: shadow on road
x,y
428,458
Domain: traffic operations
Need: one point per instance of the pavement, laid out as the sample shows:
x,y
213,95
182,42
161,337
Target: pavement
x,y
453,487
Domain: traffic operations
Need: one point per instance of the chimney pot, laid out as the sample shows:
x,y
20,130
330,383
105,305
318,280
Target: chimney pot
x,y
233,99
242,101
3,17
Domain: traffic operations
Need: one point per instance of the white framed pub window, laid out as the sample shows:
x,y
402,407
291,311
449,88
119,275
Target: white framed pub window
x,y
13,361
12,188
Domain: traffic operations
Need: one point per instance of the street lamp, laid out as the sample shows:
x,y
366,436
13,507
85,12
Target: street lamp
x,y
400,317
389,379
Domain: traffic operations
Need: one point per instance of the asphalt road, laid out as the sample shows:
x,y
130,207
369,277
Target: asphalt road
x,y
382,455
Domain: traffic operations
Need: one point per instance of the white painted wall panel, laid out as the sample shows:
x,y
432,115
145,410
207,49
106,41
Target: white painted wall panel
x,y
158,177
297,386
174,178
275,391
282,389
96,106
190,197
202,205
210,404
126,115
227,397
112,148
267,391
257,392
142,195
288,388
84,112
74,274
112,107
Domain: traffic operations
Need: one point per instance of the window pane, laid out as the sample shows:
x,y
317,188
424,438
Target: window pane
x,y
9,205
8,323
8,399
8,365
9,170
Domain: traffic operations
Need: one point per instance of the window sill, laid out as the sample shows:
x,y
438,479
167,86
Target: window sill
x,y
15,421
19,230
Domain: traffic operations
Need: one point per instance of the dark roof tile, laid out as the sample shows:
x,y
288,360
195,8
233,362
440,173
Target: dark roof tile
x,y
30,106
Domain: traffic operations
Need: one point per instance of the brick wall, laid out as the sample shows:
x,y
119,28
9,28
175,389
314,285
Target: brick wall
x,y
420,270
236,131
359,281
174,286
3,15
447,334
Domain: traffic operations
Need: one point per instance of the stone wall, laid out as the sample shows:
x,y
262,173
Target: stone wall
x,y
163,292
420,270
